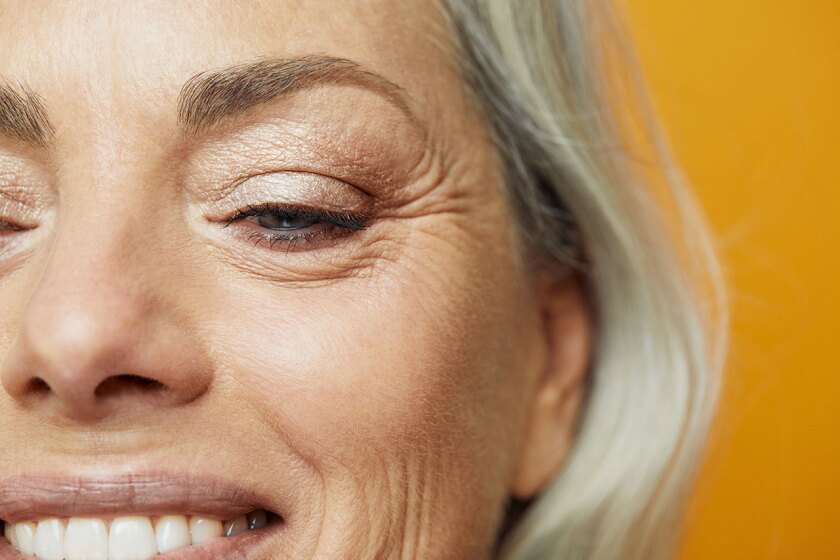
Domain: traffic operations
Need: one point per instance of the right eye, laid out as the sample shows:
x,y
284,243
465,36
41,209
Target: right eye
x,y
11,240
6,225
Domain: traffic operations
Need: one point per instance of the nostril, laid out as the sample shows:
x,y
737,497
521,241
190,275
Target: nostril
x,y
127,383
39,386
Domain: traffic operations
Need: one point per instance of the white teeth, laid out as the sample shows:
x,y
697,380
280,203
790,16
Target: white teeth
x,y
86,539
10,534
171,532
49,540
25,533
128,538
236,526
203,529
131,538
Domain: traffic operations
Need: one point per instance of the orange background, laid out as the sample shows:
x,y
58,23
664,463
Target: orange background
x,y
749,94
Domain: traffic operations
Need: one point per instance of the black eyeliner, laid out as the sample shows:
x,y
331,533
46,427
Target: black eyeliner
x,y
341,219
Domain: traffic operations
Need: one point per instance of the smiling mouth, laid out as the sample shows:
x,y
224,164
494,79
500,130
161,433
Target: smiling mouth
x,y
130,518
125,537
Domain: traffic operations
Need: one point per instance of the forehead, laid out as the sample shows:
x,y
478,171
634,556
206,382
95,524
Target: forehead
x,y
112,61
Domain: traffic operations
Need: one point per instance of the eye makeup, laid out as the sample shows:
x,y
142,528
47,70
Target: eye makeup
x,y
354,138
25,197
13,236
298,184
16,218
292,211
288,226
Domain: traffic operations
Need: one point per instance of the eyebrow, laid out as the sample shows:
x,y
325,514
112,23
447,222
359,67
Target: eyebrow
x,y
212,97
23,116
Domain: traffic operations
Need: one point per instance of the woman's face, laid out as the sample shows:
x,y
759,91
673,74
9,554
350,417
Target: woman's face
x,y
360,361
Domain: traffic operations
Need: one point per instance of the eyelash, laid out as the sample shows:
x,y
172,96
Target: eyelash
x,y
336,224
6,225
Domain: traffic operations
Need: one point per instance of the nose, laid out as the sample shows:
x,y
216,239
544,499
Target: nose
x,y
103,334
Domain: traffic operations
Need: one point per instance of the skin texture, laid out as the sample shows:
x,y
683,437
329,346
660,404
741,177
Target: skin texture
x,y
390,387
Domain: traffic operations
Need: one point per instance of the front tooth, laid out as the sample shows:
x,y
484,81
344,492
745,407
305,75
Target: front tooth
x,y
86,539
171,532
25,534
257,520
203,529
49,540
236,526
131,538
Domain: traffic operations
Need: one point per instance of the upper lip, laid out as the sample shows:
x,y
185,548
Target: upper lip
x,y
26,498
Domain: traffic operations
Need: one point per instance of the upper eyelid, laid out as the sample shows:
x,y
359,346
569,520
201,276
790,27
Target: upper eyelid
x,y
232,187
19,215
302,189
290,171
7,194
26,182
20,198
322,138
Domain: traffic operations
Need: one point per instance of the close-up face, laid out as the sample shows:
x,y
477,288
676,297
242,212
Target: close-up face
x,y
259,258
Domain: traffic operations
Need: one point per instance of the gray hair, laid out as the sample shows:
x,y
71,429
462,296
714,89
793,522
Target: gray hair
x,y
538,71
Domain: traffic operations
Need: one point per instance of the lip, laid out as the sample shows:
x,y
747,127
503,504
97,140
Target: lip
x,y
36,497
28,498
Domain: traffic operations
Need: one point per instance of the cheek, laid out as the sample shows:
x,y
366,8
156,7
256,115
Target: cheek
x,y
404,381
407,357
374,365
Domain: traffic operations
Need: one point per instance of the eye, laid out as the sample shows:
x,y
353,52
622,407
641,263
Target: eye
x,y
272,223
286,221
10,227
12,238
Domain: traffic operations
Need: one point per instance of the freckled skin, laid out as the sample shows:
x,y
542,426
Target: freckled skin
x,y
377,383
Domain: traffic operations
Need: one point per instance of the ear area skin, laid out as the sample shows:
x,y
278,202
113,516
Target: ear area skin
x,y
566,322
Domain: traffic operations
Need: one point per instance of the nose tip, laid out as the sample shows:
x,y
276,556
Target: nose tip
x,y
84,361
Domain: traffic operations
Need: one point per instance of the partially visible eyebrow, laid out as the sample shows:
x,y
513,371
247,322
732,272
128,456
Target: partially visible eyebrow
x,y
212,97
23,116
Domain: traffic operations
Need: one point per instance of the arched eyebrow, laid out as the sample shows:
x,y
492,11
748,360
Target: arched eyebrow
x,y
23,116
212,97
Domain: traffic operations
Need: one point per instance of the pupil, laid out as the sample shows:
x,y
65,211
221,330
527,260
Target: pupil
x,y
285,222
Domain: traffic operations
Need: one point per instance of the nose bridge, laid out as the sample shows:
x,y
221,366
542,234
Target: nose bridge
x,y
84,310
99,316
